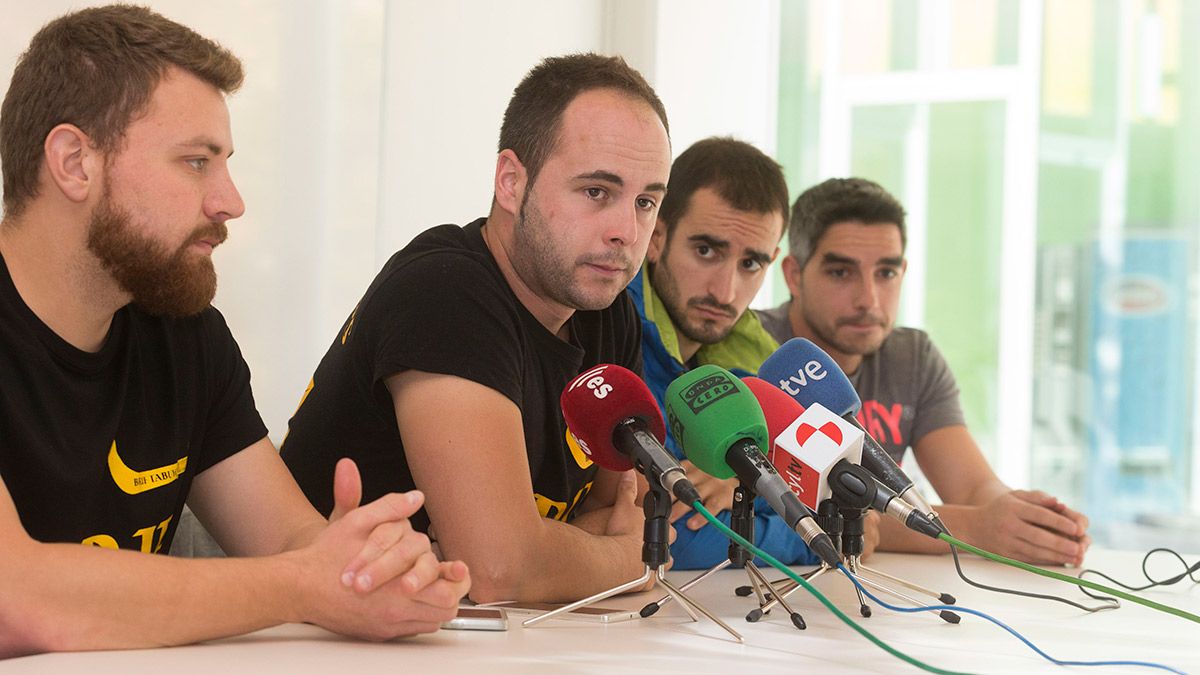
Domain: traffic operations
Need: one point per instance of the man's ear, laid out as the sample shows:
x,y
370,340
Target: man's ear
x,y
511,181
658,241
791,275
72,164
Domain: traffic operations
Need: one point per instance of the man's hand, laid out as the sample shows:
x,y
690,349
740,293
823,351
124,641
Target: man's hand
x,y
394,585
1034,527
870,532
627,520
716,495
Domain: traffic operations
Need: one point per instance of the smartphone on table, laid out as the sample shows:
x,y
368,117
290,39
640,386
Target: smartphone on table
x,y
478,618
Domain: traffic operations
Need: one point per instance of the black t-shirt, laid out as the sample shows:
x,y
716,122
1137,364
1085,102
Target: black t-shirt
x,y
101,448
441,305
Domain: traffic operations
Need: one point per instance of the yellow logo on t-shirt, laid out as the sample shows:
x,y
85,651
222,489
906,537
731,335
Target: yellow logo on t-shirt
x,y
133,482
582,457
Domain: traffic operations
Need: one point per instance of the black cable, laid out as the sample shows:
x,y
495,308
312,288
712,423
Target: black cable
x,y
1112,603
1188,572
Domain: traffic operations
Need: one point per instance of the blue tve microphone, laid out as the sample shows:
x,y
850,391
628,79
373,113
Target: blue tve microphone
x,y
806,373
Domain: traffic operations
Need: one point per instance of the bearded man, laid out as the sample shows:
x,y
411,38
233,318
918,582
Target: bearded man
x,y
124,395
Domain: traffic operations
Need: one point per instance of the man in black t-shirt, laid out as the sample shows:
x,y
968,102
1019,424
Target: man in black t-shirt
x,y
122,393
447,374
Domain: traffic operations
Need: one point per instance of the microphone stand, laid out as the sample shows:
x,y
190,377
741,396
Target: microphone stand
x,y
741,521
830,520
655,554
850,510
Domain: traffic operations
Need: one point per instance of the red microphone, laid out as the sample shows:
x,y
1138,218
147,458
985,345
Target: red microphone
x,y
613,417
778,408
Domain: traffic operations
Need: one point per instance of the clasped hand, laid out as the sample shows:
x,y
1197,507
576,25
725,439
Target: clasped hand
x,y
393,585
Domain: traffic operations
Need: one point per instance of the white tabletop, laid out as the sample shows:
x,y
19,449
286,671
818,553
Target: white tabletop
x,y
669,642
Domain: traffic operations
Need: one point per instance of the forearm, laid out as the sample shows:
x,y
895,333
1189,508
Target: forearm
x,y
71,597
959,519
560,562
983,493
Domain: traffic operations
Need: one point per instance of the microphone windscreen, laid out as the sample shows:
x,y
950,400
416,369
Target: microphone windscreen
x,y
710,410
806,373
601,398
779,409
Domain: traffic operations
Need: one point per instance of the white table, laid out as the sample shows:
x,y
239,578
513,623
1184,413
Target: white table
x,y
669,642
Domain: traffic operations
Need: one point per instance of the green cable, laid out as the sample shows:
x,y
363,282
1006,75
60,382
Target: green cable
x,y
741,541
1069,579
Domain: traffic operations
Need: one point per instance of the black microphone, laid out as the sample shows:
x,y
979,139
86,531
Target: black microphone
x,y
846,479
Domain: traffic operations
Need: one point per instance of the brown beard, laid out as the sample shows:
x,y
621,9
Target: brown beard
x,y
162,283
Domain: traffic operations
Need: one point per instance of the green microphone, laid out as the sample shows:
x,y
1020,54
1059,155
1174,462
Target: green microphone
x,y
718,422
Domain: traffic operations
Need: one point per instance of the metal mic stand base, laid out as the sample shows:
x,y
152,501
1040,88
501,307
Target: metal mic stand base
x,y
857,569
760,583
782,588
689,605
741,521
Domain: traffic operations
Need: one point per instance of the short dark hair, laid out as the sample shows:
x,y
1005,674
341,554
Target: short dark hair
x,y
534,114
740,173
838,200
95,68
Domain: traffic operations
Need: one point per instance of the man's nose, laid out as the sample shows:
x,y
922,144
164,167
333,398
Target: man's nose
x,y
224,202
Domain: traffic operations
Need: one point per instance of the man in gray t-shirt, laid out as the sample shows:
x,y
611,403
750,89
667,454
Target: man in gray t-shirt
x,y
844,270
907,390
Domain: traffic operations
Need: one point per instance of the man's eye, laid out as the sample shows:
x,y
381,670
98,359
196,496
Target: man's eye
x,y
704,251
646,204
595,193
751,265
198,163
889,273
838,272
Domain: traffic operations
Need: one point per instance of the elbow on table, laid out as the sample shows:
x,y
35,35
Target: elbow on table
x,y
497,581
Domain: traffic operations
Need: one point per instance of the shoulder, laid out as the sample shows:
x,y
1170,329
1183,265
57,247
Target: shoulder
x,y
907,342
440,253
911,354
445,266
776,321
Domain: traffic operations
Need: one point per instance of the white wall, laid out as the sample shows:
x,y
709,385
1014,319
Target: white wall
x,y
451,67
364,122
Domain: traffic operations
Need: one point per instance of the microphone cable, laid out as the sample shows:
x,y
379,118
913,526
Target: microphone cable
x,y
1188,573
1110,603
998,622
1183,614
741,541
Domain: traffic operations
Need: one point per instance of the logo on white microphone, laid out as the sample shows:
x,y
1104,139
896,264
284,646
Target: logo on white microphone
x,y
806,451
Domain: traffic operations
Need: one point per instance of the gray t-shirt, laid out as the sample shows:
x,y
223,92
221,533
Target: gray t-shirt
x,y
906,387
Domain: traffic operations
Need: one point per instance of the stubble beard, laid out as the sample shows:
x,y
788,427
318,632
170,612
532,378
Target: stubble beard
x,y
707,332
539,265
828,335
